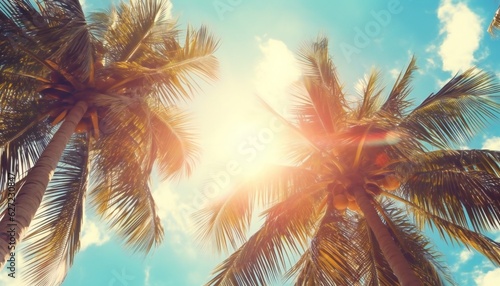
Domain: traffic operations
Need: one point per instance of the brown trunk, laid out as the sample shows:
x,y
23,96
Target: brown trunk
x,y
390,249
13,228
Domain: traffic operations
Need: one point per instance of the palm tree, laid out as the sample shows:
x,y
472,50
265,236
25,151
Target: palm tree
x,y
338,212
109,85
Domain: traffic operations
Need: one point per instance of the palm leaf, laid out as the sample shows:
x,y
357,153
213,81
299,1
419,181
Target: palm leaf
x,y
370,94
121,192
177,151
22,142
455,113
171,78
452,232
461,197
225,221
264,256
67,37
396,102
129,31
324,92
495,23
333,254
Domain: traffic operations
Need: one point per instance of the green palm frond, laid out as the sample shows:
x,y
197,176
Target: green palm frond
x,y
371,96
333,254
225,221
55,238
195,58
130,31
58,31
177,151
464,198
455,113
67,36
452,232
171,77
121,193
19,89
19,150
323,88
263,257
396,103
459,160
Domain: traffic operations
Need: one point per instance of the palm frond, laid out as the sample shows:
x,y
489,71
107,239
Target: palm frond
x,y
177,151
452,232
464,198
121,191
130,30
396,102
58,31
324,92
54,239
225,221
459,160
67,37
333,254
370,94
264,256
455,113
377,271
171,78
22,140
495,23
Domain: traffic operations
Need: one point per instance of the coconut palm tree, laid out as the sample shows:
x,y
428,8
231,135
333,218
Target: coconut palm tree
x,y
338,212
91,103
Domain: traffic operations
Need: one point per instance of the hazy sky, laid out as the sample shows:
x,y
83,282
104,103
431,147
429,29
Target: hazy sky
x,y
258,43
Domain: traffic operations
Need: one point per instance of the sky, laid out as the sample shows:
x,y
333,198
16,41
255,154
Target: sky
x,y
258,43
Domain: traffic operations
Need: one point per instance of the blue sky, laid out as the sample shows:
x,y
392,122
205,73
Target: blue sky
x,y
258,42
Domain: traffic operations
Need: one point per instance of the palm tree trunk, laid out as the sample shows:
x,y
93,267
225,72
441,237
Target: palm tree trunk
x,y
27,201
392,253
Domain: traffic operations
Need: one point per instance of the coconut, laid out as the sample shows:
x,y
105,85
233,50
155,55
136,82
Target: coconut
x,y
390,183
82,126
353,205
382,160
340,202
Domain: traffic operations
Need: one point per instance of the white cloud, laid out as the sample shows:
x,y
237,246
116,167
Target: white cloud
x,y
465,255
394,73
462,32
275,72
490,278
92,234
492,143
